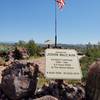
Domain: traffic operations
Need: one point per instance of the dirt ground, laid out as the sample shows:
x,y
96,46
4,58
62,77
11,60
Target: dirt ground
x,y
41,62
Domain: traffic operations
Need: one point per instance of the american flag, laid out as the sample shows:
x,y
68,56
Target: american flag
x,y
60,3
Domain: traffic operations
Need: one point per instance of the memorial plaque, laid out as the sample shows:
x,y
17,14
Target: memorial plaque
x,y
62,64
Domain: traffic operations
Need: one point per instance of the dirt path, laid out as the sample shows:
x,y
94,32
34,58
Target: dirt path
x,y
41,63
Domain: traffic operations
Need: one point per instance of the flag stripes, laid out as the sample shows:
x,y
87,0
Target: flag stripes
x,y
60,3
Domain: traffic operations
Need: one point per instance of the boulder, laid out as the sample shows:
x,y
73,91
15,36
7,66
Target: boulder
x,y
62,91
93,82
19,80
47,98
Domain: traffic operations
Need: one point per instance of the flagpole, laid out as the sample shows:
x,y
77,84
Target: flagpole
x,y
55,24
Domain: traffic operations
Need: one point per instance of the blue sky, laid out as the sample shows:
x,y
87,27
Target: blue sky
x,y
78,22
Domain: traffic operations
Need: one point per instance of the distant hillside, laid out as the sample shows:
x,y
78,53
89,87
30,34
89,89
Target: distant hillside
x,y
67,45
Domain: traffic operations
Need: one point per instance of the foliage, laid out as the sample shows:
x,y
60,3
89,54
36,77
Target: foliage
x,y
17,54
21,43
91,55
33,48
3,54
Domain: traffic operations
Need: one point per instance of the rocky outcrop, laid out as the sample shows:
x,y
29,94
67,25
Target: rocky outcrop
x,y
19,80
62,91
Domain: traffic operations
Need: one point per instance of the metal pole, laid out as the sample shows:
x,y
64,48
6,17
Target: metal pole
x,y
55,24
59,82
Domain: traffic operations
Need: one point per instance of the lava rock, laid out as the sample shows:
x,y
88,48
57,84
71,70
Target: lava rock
x,y
47,98
62,91
19,80
93,82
